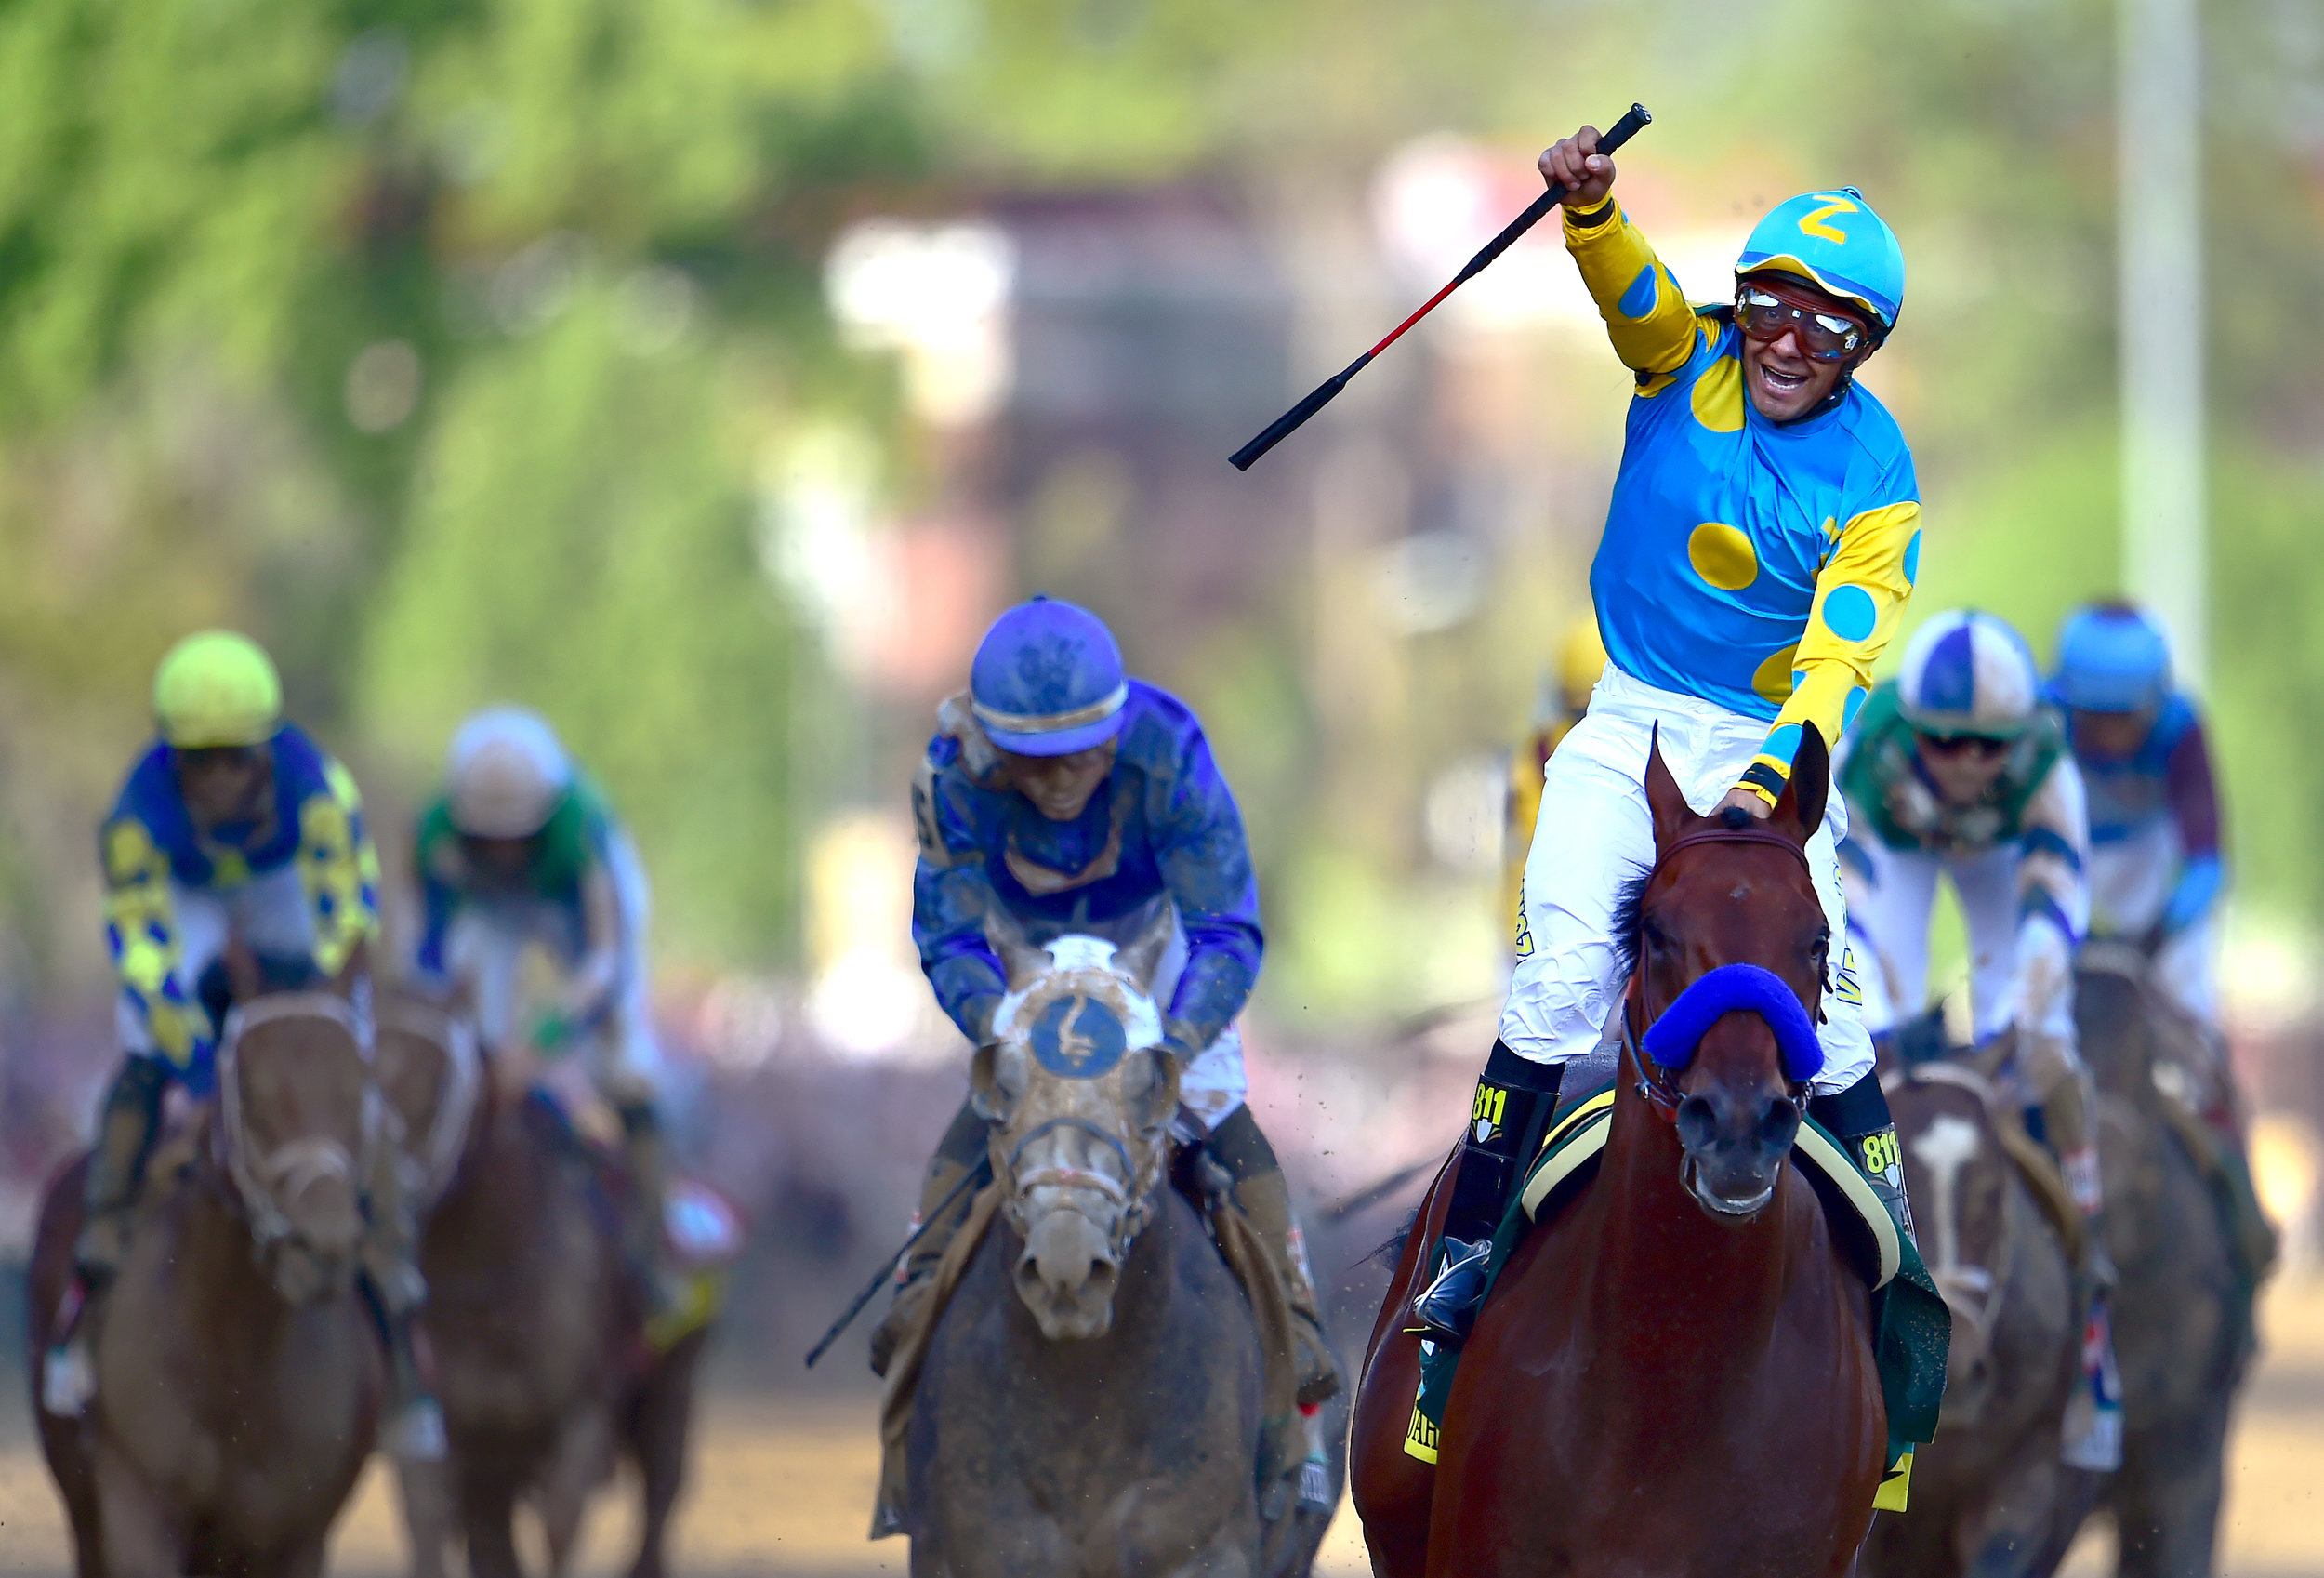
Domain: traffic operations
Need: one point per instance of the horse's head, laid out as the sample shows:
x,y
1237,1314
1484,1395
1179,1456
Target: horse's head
x,y
1960,1179
1730,933
430,1076
298,1116
2114,1018
1079,1093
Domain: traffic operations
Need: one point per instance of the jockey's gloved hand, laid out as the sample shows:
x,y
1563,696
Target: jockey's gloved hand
x,y
552,1029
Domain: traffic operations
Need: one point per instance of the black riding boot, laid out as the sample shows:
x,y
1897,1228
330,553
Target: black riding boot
x,y
1240,1146
1511,1112
414,1428
132,1114
1858,1118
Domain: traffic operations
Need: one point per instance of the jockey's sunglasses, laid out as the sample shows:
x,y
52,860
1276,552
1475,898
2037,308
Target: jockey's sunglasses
x,y
1825,336
1980,746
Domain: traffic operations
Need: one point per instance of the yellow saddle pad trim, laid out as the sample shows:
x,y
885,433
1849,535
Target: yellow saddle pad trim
x,y
1895,1485
1578,1138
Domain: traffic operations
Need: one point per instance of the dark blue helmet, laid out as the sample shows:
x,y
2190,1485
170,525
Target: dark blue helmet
x,y
1048,680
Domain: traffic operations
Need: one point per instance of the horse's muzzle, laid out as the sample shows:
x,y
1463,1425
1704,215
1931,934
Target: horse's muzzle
x,y
1068,1275
1735,1148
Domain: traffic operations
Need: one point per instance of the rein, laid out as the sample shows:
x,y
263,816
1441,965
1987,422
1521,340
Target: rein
x,y
440,1154
1136,1198
1655,1083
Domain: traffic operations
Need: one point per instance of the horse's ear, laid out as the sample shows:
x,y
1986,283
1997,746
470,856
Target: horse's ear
x,y
1671,814
1804,797
1142,958
1020,960
246,978
1159,1101
997,1081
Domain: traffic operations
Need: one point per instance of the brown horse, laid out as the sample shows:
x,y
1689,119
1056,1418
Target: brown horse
x,y
1990,1498
238,1378
1093,1399
1676,1375
535,1323
2182,1310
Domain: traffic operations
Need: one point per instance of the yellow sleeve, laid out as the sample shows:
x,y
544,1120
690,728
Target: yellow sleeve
x,y
142,934
1860,594
1653,329
339,868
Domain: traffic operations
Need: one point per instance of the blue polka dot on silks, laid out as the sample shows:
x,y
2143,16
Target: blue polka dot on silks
x,y
1850,613
1783,744
1639,299
1848,708
1913,561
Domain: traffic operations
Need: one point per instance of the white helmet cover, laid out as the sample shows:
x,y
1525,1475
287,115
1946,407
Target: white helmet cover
x,y
506,774
1969,673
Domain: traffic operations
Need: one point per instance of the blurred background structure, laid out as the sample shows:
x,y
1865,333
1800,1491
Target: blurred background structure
x,y
707,373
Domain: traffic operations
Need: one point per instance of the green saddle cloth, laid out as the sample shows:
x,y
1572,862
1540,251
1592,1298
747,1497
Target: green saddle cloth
x,y
1912,1329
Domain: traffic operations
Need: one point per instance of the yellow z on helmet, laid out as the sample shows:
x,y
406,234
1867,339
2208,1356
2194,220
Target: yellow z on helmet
x,y
217,688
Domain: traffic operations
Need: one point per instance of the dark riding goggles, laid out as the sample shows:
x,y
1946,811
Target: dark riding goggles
x,y
1825,337
1984,747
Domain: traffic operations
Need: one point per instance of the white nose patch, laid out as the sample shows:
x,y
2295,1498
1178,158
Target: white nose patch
x,y
1944,1147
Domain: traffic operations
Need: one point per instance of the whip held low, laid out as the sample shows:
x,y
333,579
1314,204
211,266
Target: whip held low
x,y
980,1173
1323,394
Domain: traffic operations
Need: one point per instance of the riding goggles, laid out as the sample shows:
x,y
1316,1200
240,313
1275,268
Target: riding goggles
x,y
1984,747
1825,337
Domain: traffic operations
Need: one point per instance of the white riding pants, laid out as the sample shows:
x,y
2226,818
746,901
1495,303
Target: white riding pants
x,y
2131,881
485,947
1891,903
1213,1082
269,913
1595,833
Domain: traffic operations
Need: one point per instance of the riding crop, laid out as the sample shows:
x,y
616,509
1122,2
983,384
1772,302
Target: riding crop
x,y
977,1174
1324,392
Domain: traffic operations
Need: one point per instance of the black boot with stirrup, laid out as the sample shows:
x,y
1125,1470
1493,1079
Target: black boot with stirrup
x,y
1514,1099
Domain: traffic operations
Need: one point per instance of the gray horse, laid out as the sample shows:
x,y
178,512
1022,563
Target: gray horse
x,y
1090,1400
2182,1312
1989,1497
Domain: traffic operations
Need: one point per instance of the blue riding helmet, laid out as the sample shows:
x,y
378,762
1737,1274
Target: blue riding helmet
x,y
1048,680
2112,657
1836,243
1969,673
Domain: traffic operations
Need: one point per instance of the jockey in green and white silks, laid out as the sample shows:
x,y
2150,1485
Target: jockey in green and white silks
x,y
2158,866
1070,798
518,852
1762,540
1958,770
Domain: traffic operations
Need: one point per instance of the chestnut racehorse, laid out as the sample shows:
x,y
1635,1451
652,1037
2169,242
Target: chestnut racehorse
x,y
1675,1376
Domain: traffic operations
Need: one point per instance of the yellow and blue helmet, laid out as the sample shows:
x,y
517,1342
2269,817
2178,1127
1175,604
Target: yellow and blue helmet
x,y
217,688
1836,243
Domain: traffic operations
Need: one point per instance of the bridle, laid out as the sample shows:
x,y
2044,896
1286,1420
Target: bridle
x,y
1658,1084
1135,1199
303,1160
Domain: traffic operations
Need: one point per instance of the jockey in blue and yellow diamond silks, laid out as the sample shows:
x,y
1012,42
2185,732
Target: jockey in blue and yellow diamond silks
x,y
235,826
1068,797
1762,538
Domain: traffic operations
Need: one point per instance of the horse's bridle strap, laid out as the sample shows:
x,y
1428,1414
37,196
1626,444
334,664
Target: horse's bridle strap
x,y
1753,834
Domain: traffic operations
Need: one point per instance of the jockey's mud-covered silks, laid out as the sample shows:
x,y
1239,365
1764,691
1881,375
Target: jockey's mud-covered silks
x,y
1756,564
311,824
1162,827
2019,858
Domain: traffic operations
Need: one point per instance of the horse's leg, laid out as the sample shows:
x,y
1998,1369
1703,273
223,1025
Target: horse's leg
x,y
661,1418
426,1492
581,1460
2167,1502
488,1505
1392,1488
143,1536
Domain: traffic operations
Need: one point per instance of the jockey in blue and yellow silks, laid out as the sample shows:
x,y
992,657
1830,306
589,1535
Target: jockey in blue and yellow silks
x,y
1069,797
235,827
1762,537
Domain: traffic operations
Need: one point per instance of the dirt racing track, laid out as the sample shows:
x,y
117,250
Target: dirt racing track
x,y
785,1487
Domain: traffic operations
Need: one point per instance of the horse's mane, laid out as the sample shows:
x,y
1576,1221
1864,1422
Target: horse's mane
x,y
1630,915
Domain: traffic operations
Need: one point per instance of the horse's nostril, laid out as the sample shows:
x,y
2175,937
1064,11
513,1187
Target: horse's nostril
x,y
1697,1123
1780,1123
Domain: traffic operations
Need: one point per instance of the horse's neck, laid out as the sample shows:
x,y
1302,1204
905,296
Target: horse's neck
x,y
204,1238
1663,1264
